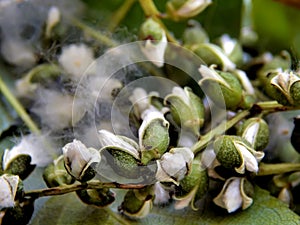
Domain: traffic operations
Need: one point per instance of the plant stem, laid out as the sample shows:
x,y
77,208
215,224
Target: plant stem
x,y
150,10
94,33
272,169
119,15
76,187
205,139
258,108
18,107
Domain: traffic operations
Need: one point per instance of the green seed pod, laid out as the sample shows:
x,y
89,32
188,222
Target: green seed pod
x,y
80,160
287,83
155,43
213,54
97,197
122,154
153,136
55,174
192,187
121,162
256,131
137,203
187,109
19,165
151,30
221,86
194,34
183,9
235,152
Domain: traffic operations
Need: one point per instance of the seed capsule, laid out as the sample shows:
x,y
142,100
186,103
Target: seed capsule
x,y
137,203
153,136
192,187
55,173
97,197
256,132
187,109
221,87
79,160
234,152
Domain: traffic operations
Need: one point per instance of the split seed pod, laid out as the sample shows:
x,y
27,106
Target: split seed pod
x,y
122,154
137,203
234,152
79,160
256,131
153,136
192,187
55,174
221,86
187,109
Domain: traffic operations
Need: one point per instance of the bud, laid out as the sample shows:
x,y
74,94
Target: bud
x,y
287,83
97,197
194,34
17,163
155,43
232,49
236,193
137,203
122,153
168,171
235,152
8,190
221,86
184,9
153,136
55,173
213,54
187,109
192,187
256,131
79,160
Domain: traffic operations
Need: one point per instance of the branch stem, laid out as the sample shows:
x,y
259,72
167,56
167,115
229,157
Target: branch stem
x,y
18,107
260,107
76,187
273,169
120,14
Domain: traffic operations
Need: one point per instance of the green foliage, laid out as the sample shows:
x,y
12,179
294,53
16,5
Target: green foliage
x,y
69,210
278,25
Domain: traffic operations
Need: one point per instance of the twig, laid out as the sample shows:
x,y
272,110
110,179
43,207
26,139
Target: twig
x,y
18,107
272,169
76,187
119,15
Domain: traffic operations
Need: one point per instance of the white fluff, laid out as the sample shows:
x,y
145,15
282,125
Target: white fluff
x,y
75,59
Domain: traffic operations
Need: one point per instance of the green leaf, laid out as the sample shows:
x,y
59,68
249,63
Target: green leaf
x,y
68,209
277,25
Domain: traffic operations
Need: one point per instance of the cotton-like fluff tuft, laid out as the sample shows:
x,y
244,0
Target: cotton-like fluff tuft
x,y
57,110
